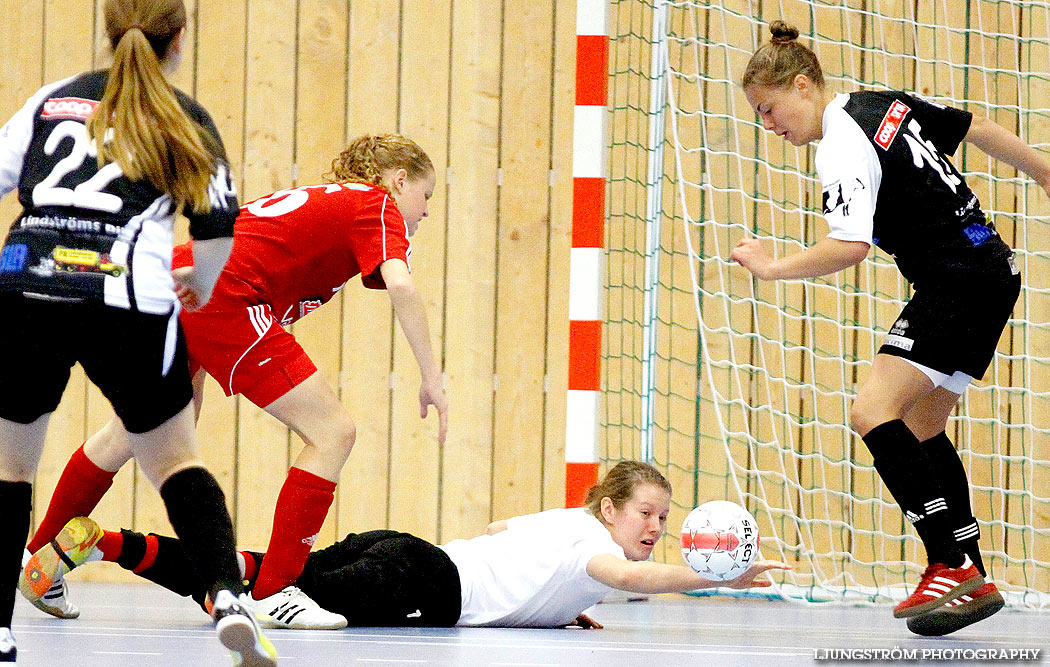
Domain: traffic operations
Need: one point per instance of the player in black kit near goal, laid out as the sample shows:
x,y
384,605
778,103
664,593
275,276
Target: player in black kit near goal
x,y
887,181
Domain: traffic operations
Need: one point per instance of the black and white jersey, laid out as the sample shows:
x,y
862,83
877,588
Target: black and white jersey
x,y
887,181
88,233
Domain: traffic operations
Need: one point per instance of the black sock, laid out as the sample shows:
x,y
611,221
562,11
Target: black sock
x,y
917,488
16,502
197,511
940,453
132,549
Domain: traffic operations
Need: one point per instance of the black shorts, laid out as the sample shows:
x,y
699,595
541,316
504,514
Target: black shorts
x,y
384,578
954,326
124,353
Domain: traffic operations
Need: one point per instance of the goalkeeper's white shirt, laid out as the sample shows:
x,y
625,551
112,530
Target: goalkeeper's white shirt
x,y
534,573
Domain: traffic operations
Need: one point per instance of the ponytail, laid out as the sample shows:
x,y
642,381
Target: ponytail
x,y
777,62
139,124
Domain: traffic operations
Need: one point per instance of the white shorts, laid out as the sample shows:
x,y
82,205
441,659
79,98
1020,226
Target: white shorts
x,y
955,383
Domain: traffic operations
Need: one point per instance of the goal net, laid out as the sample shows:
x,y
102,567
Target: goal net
x,y
740,389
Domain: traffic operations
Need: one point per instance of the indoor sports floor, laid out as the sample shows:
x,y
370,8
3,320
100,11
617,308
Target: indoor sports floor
x,y
128,624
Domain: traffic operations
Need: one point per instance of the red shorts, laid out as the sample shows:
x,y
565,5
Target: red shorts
x,y
237,341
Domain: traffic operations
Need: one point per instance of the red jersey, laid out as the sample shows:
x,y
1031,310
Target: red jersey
x,y
295,249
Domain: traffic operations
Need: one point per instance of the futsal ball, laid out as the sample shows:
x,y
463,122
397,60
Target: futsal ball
x,y
720,540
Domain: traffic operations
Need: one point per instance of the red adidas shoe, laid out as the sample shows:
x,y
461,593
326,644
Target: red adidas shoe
x,y
939,585
960,612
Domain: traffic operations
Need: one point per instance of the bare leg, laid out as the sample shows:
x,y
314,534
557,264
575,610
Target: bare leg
x,y
891,391
314,412
20,449
929,416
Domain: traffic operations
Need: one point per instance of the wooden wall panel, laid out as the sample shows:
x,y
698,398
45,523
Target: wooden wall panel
x,y
469,309
414,453
559,242
371,104
22,74
521,259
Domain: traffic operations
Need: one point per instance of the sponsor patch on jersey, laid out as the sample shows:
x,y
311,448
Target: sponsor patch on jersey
x,y
68,107
978,233
891,124
307,306
13,258
838,195
893,340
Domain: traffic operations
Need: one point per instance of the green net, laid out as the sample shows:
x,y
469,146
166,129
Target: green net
x,y
742,390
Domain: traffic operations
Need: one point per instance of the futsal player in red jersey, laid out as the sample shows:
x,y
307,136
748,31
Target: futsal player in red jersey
x,y
293,251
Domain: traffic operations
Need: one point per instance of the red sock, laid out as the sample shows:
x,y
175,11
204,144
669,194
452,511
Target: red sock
x,y
301,508
111,545
79,489
250,566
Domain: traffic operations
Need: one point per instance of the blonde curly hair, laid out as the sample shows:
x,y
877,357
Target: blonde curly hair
x,y
368,157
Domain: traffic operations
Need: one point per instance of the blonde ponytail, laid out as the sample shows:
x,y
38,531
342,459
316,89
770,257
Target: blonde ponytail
x,y
139,124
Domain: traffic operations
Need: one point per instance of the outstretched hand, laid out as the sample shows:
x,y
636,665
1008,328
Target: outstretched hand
x,y
431,393
747,579
586,622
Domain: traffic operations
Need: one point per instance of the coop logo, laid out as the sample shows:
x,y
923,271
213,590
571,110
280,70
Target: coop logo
x,y
68,107
891,124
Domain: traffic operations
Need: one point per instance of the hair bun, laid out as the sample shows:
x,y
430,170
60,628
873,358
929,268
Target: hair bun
x,y
782,32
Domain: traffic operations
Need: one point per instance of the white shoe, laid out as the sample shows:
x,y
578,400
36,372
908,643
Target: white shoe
x,y
8,651
293,609
41,579
56,600
239,632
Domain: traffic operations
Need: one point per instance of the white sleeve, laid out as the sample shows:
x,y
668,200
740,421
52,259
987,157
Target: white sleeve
x,y
14,142
850,175
525,521
16,135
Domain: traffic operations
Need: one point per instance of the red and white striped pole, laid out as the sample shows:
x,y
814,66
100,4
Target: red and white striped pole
x,y
585,271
